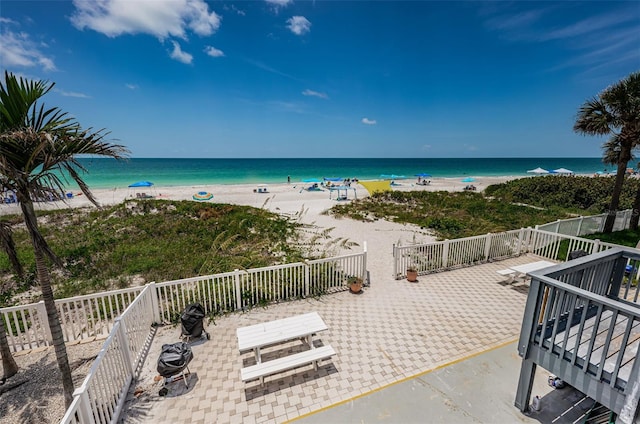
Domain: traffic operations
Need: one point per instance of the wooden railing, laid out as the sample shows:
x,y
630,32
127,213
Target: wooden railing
x,y
104,390
92,317
585,225
545,240
240,289
86,317
449,254
582,323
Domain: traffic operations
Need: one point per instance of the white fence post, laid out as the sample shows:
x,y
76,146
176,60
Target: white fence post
x,y
487,246
364,262
236,281
155,303
44,320
307,277
445,253
395,261
579,226
557,226
84,407
521,236
124,340
603,220
595,247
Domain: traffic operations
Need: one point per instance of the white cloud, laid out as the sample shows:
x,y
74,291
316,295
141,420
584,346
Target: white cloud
x,y
18,50
299,25
213,52
72,94
179,55
312,93
368,121
162,19
131,86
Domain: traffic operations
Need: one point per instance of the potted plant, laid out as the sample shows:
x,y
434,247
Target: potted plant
x,y
412,273
355,284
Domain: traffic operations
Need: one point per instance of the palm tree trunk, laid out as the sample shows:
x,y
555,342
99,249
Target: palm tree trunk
x,y
9,366
8,245
44,278
635,213
615,197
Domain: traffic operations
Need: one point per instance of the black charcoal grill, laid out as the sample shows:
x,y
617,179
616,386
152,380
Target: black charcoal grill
x,y
173,361
192,322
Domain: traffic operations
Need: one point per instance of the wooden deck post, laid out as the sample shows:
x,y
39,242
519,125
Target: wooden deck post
x,y
525,384
529,323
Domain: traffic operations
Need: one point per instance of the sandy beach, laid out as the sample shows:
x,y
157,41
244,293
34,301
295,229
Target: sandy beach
x,y
307,207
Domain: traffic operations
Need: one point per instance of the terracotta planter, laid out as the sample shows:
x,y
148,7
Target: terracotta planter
x,y
412,276
355,286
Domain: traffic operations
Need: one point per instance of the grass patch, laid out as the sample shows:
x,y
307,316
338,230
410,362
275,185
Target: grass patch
x,y
153,240
524,202
449,215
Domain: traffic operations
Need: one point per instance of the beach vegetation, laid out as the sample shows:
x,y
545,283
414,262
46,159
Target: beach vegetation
x,y
615,112
576,195
136,242
447,215
38,154
524,202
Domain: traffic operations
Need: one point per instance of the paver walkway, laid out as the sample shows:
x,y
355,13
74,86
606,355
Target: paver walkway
x,y
393,330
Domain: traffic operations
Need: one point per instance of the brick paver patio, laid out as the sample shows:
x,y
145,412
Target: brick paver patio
x,y
393,330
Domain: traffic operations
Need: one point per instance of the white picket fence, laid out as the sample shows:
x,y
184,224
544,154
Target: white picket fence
x,y
125,318
104,390
545,241
93,316
585,225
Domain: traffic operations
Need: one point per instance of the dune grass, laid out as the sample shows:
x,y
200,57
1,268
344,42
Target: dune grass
x,y
153,240
524,202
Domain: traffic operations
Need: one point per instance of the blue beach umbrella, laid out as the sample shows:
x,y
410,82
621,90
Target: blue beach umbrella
x,y
312,180
333,179
423,175
468,180
141,184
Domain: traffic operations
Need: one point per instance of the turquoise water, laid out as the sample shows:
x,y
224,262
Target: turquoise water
x,y
109,173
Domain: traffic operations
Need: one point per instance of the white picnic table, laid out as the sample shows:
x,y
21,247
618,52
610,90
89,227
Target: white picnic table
x,y
269,333
518,271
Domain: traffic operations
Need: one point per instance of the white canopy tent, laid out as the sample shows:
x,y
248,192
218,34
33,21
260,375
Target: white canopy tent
x,y
538,171
563,171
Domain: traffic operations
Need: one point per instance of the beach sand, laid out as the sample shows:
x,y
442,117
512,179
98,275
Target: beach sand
x,y
307,207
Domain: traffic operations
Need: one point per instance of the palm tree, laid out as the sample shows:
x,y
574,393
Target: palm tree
x,y
38,149
615,112
611,152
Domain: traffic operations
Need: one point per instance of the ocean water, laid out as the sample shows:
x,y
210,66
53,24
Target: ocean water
x,y
109,173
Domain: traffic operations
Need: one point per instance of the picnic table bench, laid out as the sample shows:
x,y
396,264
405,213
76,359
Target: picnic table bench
x,y
522,270
255,337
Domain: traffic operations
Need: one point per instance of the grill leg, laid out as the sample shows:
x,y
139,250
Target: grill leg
x,y
184,376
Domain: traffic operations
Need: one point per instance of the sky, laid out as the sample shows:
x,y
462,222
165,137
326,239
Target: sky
x,y
326,79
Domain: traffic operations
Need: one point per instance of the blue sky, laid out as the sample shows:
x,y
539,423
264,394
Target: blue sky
x,y
191,78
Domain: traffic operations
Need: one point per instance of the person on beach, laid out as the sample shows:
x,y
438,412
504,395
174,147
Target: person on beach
x,y
288,179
